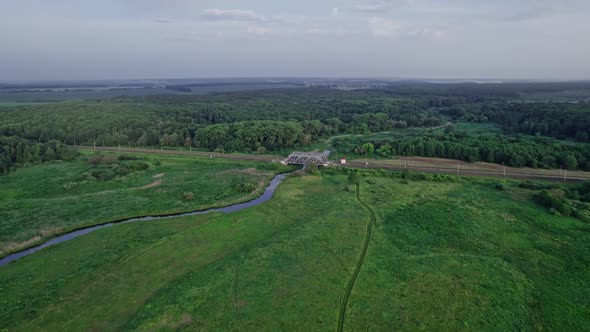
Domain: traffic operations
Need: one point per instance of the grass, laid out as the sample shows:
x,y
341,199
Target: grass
x,y
478,129
441,256
36,203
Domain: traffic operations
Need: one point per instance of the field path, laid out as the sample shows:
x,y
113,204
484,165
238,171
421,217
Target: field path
x,y
359,264
235,304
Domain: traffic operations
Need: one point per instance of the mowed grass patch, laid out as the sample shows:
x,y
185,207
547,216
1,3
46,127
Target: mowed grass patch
x,y
37,202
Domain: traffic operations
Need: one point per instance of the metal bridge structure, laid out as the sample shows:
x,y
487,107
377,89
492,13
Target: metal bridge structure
x,y
304,158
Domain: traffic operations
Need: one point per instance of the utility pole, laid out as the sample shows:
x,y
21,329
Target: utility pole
x,y
565,175
94,143
119,147
458,167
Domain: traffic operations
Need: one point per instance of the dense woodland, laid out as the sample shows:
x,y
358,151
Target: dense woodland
x,y
15,151
271,120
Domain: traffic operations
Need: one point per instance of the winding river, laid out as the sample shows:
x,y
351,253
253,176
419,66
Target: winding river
x,y
267,195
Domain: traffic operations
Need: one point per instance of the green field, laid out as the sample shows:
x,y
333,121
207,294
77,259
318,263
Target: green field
x,y
40,201
455,255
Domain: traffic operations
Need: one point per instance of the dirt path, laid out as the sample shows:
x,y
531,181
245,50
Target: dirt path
x,y
359,264
235,304
151,185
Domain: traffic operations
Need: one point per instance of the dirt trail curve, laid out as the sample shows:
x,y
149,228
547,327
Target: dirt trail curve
x,y
359,264
432,167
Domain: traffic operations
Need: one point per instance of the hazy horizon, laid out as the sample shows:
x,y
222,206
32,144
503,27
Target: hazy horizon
x,y
538,40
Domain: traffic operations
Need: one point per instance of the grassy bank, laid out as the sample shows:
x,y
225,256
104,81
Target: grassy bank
x,y
40,201
454,255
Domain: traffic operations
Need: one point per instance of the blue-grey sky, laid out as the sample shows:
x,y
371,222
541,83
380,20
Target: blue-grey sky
x,y
107,39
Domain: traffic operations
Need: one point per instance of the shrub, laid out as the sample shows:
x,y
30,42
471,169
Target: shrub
x,y
127,157
536,186
70,185
158,163
109,159
565,208
354,178
95,159
246,187
268,166
138,165
501,186
188,196
311,169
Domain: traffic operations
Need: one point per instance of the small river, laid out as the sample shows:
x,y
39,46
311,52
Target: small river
x,y
267,195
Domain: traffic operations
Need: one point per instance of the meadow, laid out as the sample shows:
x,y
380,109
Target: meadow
x,y
457,254
41,201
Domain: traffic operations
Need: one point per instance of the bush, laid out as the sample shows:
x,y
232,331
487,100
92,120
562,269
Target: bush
x,y
188,196
95,160
128,157
246,187
550,198
158,163
536,186
565,208
501,186
109,159
138,165
354,178
311,169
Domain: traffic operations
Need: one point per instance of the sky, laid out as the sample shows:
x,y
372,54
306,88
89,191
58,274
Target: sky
x,y
140,39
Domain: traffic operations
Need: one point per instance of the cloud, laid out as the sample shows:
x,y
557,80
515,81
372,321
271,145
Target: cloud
x,y
373,7
530,14
381,27
236,15
259,31
428,33
335,11
162,20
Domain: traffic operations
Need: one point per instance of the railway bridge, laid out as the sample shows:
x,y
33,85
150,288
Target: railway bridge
x,y
304,158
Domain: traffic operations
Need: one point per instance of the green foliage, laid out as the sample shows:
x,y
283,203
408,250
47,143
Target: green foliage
x,y
515,151
108,167
15,152
188,196
555,199
501,186
311,169
246,187
47,199
354,178
283,265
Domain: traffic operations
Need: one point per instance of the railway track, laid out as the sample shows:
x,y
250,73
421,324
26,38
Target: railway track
x,y
442,169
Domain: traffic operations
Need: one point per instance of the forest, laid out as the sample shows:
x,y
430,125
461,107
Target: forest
x,y
533,133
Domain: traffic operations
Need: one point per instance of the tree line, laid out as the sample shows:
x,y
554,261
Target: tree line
x,y
514,151
16,151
